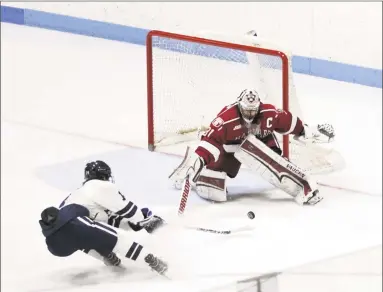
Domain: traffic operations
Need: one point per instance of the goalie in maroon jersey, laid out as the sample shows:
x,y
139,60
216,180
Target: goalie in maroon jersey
x,y
243,133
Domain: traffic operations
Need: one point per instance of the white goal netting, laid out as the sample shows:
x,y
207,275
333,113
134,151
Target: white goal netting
x,y
193,81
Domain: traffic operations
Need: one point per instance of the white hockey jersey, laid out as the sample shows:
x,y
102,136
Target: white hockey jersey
x,y
105,203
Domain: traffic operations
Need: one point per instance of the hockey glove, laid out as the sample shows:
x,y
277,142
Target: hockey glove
x,y
323,133
150,223
146,212
154,222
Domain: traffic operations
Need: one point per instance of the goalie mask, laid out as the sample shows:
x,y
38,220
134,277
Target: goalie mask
x,y
98,170
248,104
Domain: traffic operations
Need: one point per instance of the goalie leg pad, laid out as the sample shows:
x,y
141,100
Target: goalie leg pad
x,y
275,169
211,185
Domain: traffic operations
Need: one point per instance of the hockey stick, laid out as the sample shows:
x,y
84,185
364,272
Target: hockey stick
x,y
245,228
186,188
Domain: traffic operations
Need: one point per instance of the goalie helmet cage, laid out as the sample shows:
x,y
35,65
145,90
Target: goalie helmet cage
x,y
183,50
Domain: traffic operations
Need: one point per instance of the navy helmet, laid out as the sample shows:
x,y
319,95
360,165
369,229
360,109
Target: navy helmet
x,y
98,170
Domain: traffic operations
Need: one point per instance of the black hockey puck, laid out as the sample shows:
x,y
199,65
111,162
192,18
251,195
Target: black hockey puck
x,y
251,215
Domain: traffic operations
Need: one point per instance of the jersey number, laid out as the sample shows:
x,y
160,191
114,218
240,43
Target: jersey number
x,y
123,197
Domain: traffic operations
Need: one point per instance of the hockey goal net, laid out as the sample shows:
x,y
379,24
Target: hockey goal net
x,y
191,78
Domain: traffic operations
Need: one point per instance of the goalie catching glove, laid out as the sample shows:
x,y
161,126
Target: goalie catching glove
x,y
323,133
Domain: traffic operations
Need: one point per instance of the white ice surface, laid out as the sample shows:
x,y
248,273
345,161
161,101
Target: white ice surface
x,y
41,162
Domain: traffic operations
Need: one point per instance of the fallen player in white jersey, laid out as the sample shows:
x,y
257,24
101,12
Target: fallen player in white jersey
x,y
90,218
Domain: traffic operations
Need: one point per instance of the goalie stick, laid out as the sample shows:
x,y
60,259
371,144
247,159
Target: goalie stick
x,y
185,190
186,187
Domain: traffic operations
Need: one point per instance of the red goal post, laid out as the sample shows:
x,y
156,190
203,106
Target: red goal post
x,y
203,42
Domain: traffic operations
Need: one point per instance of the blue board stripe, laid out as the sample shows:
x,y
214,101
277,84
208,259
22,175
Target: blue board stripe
x,y
12,15
346,72
63,23
85,27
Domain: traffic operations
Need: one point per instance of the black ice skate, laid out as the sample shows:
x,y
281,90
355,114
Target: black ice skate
x,y
112,260
156,264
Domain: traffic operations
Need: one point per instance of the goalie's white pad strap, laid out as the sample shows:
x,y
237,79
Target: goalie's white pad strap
x,y
211,185
230,148
275,169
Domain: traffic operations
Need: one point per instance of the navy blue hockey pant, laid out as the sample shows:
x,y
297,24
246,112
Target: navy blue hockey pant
x,y
84,234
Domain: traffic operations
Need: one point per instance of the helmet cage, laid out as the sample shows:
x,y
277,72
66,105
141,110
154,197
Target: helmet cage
x,y
248,103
